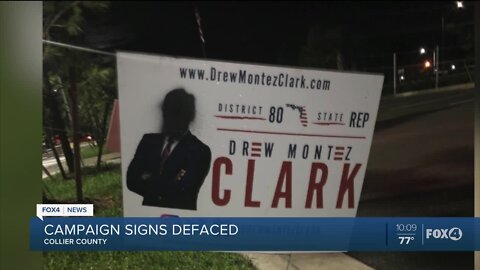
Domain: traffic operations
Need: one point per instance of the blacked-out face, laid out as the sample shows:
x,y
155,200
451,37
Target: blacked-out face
x,y
178,110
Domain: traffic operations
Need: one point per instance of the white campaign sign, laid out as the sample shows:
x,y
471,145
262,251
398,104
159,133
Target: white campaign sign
x,y
285,142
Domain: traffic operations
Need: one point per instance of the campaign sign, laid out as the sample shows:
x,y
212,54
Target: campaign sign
x,y
216,139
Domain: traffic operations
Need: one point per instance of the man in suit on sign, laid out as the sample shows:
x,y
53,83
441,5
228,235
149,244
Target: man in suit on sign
x,y
169,168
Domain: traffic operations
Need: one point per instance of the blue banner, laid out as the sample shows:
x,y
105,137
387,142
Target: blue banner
x,y
256,234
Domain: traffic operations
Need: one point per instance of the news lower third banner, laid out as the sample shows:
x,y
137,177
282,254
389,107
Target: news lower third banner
x,y
256,234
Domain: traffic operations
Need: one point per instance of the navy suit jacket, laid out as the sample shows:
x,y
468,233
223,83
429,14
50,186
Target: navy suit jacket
x,y
177,184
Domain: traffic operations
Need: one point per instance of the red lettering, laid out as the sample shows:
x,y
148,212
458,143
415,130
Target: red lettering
x,y
347,185
314,187
285,176
249,202
216,197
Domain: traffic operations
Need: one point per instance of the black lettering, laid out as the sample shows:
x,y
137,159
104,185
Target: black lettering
x,y
200,73
329,151
353,117
326,85
347,156
242,76
318,152
183,73
257,79
269,80
365,119
291,82
233,76
232,147
245,149
191,73
292,150
305,151
213,74
268,149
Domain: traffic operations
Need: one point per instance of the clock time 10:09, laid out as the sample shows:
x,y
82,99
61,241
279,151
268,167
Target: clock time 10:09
x,y
406,227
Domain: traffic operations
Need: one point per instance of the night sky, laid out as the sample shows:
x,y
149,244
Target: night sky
x,y
367,33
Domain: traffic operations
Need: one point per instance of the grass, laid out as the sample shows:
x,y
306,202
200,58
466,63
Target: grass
x,y
88,152
144,260
104,189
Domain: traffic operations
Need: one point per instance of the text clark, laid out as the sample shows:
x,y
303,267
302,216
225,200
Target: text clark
x,y
283,191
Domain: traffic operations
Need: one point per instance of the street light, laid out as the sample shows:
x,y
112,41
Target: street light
x,y
452,67
422,50
459,4
427,64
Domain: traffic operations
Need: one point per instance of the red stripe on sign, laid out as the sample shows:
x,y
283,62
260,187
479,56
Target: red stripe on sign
x,y
291,134
339,148
328,123
240,117
255,155
337,159
256,144
256,149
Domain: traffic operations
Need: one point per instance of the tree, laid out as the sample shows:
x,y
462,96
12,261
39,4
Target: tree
x,y
54,120
63,22
98,93
53,123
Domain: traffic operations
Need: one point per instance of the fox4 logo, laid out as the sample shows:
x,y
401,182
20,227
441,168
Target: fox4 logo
x,y
453,234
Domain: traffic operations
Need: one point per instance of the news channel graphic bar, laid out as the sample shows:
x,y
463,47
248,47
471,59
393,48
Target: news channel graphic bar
x,y
255,234
64,210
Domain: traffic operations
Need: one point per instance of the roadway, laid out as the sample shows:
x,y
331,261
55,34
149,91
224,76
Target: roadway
x,y
421,164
